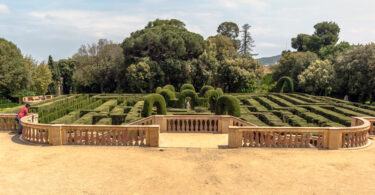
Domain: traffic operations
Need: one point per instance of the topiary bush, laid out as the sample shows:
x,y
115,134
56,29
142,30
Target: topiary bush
x,y
212,100
188,93
168,96
228,104
158,89
219,92
204,89
285,85
149,102
187,86
170,87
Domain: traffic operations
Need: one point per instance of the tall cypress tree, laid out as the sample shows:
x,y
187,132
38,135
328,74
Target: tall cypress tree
x,y
52,88
247,41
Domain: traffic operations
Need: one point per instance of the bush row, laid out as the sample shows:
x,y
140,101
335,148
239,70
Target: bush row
x,y
291,99
104,121
63,109
258,107
315,118
334,116
292,120
267,103
280,101
270,119
135,112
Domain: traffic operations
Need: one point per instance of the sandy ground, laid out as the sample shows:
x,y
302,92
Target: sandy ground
x,y
30,169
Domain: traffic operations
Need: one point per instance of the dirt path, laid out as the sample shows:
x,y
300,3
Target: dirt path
x,y
26,169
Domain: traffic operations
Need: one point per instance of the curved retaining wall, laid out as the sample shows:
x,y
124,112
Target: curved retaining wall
x,y
145,132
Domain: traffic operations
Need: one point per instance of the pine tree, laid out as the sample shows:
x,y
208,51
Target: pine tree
x,y
247,41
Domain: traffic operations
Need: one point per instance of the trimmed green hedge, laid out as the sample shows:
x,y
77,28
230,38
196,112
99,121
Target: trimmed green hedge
x,y
271,119
149,102
188,93
292,99
170,87
104,121
204,89
334,116
135,112
158,89
219,91
213,96
228,104
285,85
314,118
267,103
187,86
168,96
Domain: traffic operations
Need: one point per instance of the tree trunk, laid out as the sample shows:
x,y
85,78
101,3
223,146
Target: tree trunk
x,y
101,87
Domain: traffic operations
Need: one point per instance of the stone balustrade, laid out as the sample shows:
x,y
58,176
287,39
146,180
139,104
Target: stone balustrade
x,y
119,135
193,123
302,137
145,132
30,99
8,122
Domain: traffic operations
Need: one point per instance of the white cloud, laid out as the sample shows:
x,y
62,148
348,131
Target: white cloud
x,y
236,4
4,9
93,23
268,45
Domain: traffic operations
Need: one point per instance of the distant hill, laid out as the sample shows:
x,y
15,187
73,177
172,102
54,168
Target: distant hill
x,y
269,60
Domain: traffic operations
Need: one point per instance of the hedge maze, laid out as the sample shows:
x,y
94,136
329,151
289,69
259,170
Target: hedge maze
x,y
270,109
294,109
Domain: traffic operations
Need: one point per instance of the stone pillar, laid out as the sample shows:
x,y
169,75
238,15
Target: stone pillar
x,y
234,138
334,139
153,137
55,135
226,121
161,121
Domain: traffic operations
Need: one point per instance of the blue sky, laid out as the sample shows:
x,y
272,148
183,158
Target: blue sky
x,y
58,28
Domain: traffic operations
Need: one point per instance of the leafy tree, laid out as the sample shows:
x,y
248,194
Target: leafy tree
x,y
318,78
240,74
66,69
292,64
231,30
355,70
247,41
332,51
171,22
52,88
42,78
221,47
167,44
326,33
15,77
96,63
300,42
139,76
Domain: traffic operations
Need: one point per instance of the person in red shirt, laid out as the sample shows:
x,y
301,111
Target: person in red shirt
x,y
23,112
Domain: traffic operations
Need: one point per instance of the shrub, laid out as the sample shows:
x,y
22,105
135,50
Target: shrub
x,y
204,89
149,102
170,87
285,85
168,96
158,89
134,112
188,93
220,92
212,99
187,86
227,104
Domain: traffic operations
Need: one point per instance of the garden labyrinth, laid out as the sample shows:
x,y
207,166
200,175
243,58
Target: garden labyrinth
x,y
271,109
